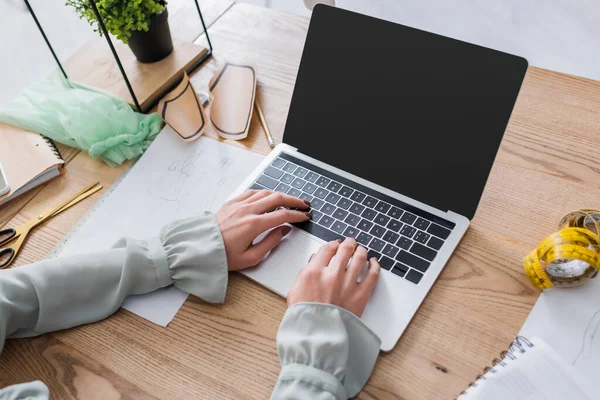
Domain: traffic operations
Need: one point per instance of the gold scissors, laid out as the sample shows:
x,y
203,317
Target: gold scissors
x,y
21,232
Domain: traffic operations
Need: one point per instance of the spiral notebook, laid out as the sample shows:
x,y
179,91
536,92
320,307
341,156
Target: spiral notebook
x,y
531,370
28,159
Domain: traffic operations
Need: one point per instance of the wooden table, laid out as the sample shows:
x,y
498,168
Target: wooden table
x,y
547,166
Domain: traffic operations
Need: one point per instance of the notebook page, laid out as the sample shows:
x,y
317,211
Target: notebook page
x,y
537,374
568,320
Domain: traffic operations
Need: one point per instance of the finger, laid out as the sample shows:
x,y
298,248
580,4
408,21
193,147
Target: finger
x,y
259,194
241,197
270,220
323,257
367,285
277,199
258,251
357,264
344,252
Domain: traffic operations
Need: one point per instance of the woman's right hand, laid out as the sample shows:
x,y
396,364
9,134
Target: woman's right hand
x,y
331,277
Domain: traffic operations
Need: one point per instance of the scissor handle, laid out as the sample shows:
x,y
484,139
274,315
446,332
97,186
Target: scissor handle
x,y
11,256
6,235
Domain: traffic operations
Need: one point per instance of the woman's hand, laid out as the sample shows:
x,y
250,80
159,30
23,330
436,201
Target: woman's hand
x,y
245,217
331,277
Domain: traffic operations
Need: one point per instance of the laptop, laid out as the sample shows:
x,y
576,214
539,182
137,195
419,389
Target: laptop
x,y
391,135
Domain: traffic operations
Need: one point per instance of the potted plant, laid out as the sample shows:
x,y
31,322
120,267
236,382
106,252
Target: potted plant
x,y
142,24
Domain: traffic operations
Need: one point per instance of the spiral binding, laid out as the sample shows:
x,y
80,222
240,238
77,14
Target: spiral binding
x,y
519,345
53,147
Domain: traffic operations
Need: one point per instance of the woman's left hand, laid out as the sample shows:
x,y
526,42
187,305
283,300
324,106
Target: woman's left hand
x,y
252,213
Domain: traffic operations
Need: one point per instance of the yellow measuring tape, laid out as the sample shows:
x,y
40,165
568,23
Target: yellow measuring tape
x,y
567,257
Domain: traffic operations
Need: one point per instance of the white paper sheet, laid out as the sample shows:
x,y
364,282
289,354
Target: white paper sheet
x,y
568,320
173,180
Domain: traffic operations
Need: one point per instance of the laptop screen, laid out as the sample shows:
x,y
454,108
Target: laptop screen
x,y
415,112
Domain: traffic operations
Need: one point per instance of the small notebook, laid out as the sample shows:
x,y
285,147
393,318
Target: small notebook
x,y
531,370
28,160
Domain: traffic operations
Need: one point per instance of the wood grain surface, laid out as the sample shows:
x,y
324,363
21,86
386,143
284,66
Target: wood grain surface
x,y
545,168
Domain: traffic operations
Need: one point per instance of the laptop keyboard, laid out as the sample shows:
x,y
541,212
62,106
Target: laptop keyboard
x,y
405,239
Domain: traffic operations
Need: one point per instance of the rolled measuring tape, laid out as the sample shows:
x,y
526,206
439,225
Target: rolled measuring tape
x,y
568,257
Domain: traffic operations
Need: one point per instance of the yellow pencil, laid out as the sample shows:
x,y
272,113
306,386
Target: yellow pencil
x,y
263,122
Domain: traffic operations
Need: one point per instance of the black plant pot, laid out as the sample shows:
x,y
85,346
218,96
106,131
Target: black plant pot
x,y
155,44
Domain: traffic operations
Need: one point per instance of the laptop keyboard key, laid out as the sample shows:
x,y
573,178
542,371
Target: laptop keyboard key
x,y
351,232
391,237
395,225
352,219
298,183
377,244
278,163
326,221
334,186
282,187
289,167
377,231
346,191
294,192
395,212
287,178
311,177
399,269
373,253
333,198
357,208
414,276
306,196
423,251
256,186
382,207
422,237
344,203
328,209
386,263
319,231
358,196
369,214
412,261
340,214
421,223
390,250
339,227
404,243
273,172
408,218
323,182
408,231
364,238
382,219
300,172
321,193
267,182
438,231
435,243
370,201
315,216
365,225
309,188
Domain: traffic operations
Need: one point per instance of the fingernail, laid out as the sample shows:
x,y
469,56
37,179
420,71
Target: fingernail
x,y
308,214
339,240
307,203
285,230
373,259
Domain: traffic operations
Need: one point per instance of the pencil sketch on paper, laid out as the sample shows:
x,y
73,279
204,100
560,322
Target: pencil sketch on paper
x,y
589,354
172,185
185,180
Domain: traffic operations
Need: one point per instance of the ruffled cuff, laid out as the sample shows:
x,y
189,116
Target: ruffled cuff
x,y
326,346
195,257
